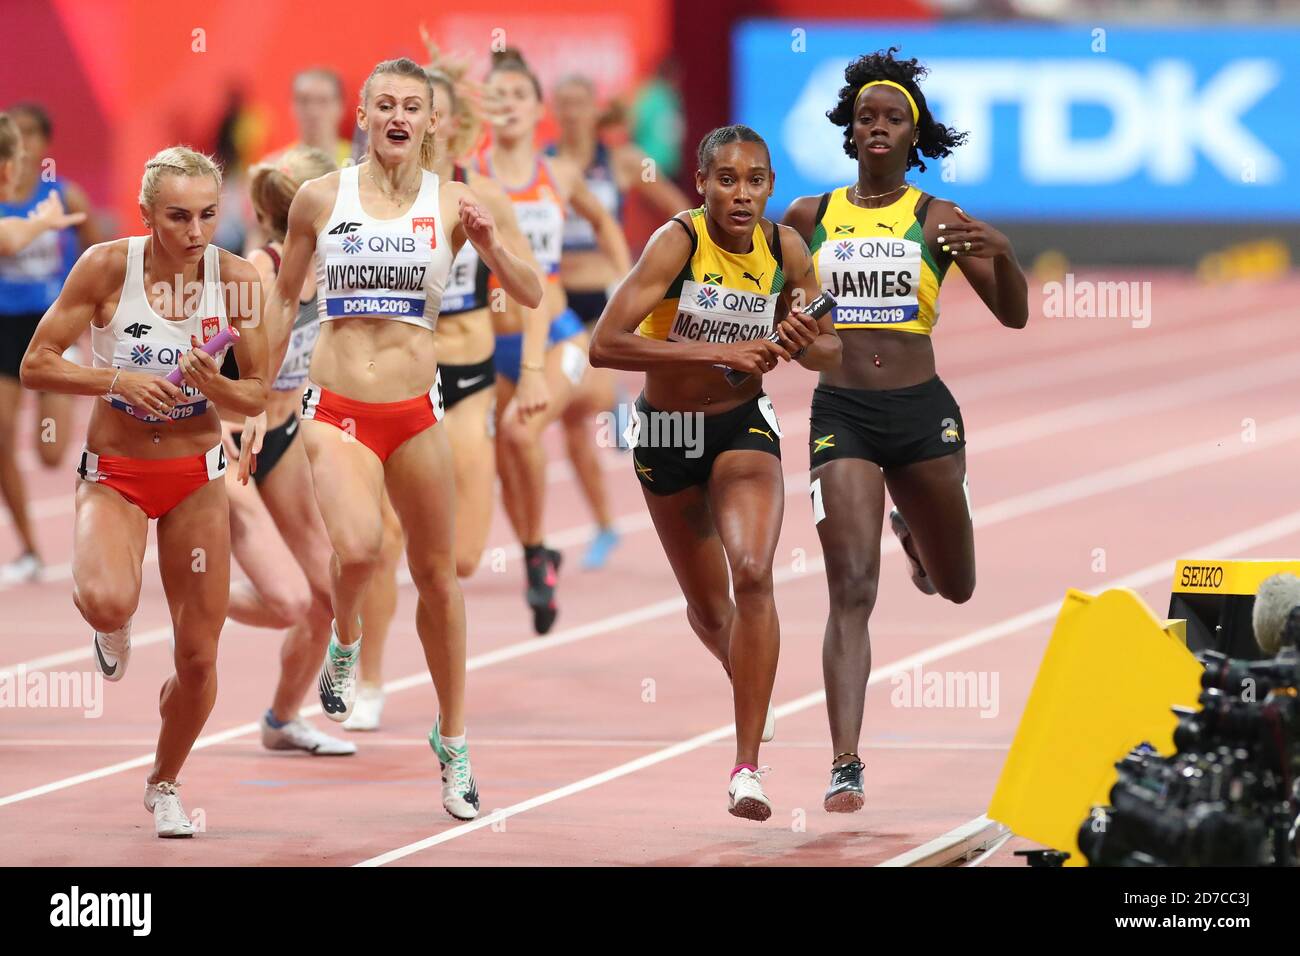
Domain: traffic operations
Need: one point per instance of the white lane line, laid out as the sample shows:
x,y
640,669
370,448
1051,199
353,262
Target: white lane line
x,y
1233,544
1077,489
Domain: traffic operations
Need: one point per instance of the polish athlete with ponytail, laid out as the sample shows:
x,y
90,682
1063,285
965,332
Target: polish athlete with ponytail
x,y
153,449
465,358
384,234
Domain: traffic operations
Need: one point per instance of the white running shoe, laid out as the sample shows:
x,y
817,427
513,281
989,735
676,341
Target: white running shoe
x,y
459,789
338,678
297,734
747,797
112,651
368,710
169,819
22,570
769,725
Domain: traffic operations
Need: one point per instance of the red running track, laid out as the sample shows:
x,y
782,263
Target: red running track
x,y
1098,453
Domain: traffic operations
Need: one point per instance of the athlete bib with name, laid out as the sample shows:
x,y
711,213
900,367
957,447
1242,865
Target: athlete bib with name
x,y
382,268
720,296
138,339
540,214
876,264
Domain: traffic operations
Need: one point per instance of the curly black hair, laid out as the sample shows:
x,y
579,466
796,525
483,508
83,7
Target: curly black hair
x,y
933,138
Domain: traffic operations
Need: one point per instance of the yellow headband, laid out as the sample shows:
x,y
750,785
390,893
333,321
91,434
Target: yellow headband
x,y
916,114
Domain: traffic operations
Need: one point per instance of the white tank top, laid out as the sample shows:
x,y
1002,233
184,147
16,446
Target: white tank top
x,y
386,268
138,339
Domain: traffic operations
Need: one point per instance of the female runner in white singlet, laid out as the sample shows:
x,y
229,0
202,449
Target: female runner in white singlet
x,y
153,449
465,359
384,235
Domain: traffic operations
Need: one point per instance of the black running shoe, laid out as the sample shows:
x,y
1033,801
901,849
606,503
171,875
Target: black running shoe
x,y
542,565
845,792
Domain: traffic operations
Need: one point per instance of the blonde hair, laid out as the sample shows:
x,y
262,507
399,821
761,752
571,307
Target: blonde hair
x,y
452,73
276,180
404,66
8,138
466,118
175,160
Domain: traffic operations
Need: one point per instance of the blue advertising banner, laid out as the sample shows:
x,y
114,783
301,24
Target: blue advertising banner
x,y
1065,122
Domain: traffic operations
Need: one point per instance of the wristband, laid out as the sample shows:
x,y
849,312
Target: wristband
x,y
113,384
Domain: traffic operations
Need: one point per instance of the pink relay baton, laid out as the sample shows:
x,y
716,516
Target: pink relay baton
x,y
214,345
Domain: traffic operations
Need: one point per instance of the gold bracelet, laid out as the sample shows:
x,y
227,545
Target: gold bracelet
x,y
114,382
533,366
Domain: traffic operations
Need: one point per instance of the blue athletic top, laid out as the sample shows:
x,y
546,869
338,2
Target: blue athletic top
x,y
30,281
579,236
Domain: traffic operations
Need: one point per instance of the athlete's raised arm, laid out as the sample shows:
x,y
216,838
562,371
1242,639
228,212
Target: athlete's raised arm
x,y
477,225
281,306
985,257
18,232
94,279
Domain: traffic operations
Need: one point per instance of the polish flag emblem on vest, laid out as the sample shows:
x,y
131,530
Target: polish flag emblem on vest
x,y
425,226
211,326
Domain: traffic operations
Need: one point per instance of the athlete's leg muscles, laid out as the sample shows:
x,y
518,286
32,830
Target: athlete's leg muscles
x,y
519,445
348,479
380,602
276,594
851,494
194,563
423,462
931,496
595,394
694,551
474,456
109,537
747,498
287,496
